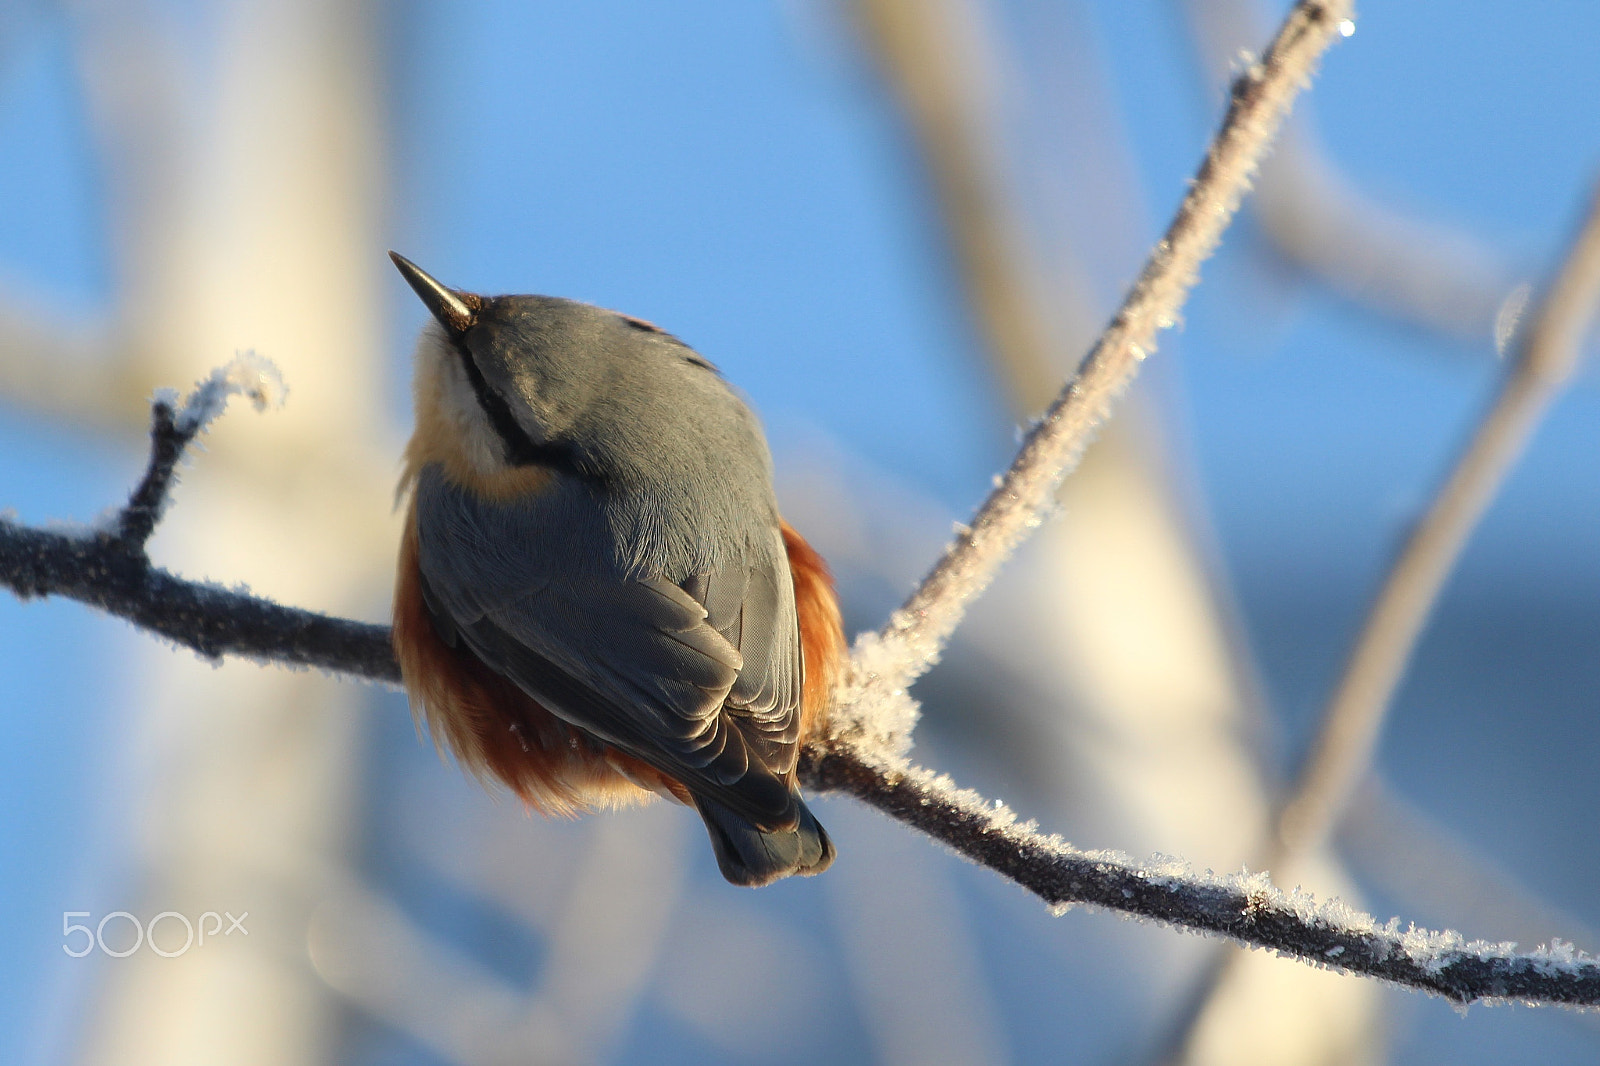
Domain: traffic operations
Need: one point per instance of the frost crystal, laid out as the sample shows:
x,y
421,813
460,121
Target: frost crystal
x,y
249,374
1509,317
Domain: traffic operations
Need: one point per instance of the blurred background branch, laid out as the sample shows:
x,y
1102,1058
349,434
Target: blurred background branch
x,y
1545,357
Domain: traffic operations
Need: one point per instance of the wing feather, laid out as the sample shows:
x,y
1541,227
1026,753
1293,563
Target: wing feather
x,y
699,677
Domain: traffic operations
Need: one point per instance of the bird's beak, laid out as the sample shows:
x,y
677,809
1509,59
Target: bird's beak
x,y
456,311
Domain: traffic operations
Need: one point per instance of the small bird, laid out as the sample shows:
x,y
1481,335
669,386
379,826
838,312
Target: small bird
x,y
597,600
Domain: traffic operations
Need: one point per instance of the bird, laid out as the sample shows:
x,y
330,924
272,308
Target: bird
x,y
596,599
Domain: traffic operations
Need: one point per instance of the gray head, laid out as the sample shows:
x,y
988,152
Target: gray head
x,y
538,380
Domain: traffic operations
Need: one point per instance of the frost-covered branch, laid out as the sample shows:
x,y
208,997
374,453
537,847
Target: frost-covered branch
x,y
173,429
1243,907
105,565
1416,270
888,661
100,567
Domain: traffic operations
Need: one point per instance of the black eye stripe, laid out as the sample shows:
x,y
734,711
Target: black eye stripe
x,y
520,448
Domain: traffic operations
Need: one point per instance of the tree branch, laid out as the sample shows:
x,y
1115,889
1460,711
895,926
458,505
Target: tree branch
x,y
106,566
1418,271
96,568
1245,908
887,662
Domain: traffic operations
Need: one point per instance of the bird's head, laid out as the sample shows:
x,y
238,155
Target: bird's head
x,y
514,382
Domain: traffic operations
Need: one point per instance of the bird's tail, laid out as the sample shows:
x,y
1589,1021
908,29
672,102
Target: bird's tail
x,y
752,856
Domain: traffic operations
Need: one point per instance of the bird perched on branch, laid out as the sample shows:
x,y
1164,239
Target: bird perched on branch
x,y
597,599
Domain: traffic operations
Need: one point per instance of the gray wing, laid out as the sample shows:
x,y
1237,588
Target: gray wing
x,y
700,678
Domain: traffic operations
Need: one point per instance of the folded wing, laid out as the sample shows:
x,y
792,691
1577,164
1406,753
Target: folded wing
x,y
699,678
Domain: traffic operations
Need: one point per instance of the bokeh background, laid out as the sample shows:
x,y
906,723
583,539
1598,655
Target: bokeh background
x,y
895,224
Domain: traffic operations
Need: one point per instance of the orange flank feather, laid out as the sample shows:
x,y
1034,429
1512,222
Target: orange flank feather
x,y
821,632
496,730
499,732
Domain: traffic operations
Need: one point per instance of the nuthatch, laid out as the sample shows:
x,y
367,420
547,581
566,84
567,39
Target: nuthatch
x,y
597,599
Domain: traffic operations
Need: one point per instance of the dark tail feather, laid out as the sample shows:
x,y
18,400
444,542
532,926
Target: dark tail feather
x,y
748,855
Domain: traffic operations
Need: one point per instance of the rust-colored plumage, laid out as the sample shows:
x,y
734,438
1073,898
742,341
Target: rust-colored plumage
x,y
821,631
501,733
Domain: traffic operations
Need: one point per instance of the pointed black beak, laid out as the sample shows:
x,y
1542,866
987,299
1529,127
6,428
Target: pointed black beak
x,y
456,311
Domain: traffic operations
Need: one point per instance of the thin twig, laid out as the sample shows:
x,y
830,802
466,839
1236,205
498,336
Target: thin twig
x,y
1262,95
1415,270
106,566
1543,362
167,445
